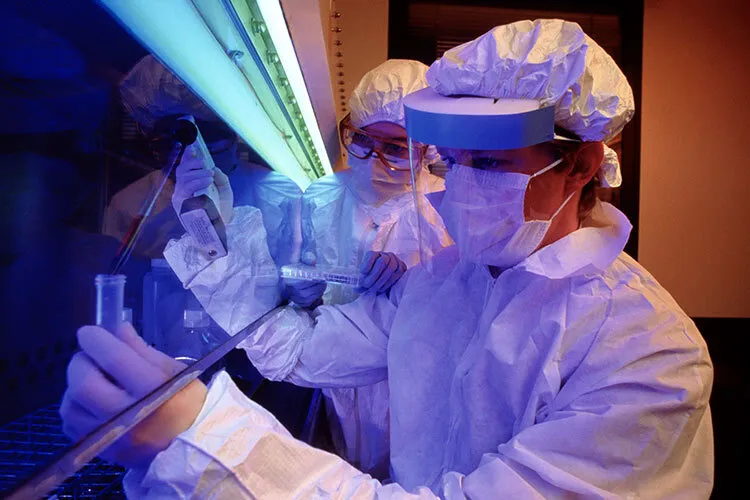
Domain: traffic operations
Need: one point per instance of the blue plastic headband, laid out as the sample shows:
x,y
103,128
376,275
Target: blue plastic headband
x,y
428,121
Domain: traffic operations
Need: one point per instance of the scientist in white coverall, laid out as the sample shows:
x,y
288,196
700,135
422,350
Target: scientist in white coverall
x,y
369,208
533,359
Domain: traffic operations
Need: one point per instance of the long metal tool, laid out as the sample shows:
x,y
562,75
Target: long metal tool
x,y
81,453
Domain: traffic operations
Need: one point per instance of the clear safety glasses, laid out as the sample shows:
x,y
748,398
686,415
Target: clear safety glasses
x,y
362,144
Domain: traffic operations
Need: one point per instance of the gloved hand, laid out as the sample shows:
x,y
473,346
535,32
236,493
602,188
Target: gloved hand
x,y
226,196
111,373
192,176
381,270
305,293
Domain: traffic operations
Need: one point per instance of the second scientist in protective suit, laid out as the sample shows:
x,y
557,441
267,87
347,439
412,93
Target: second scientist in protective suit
x,y
370,207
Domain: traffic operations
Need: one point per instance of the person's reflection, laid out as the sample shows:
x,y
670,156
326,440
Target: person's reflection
x,y
163,224
52,108
154,97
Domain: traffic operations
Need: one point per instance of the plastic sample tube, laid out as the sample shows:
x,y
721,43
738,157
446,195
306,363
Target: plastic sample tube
x,y
338,275
110,295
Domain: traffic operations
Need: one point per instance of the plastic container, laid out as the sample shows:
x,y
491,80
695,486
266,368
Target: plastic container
x,y
199,337
196,335
110,296
338,275
164,301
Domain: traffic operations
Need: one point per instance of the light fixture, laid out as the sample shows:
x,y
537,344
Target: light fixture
x,y
214,47
273,15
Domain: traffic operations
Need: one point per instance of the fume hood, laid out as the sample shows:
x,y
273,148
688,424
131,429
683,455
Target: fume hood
x,y
262,68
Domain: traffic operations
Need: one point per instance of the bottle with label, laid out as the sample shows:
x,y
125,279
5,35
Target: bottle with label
x,y
163,305
200,337
196,334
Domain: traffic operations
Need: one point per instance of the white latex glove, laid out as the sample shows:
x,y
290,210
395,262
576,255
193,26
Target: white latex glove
x,y
192,176
380,271
226,196
111,373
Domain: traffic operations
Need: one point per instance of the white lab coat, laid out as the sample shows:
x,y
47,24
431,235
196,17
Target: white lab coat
x,y
338,227
277,197
572,374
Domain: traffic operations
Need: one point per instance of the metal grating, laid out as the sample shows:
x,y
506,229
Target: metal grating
x,y
445,43
35,439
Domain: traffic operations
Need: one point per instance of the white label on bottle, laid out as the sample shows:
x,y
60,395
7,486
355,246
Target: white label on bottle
x,y
198,225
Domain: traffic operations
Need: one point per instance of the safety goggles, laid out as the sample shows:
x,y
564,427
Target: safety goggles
x,y
362,144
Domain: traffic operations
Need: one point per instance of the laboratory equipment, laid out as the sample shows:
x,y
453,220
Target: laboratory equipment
x,y
182,134
239,58
331,274
127,315
30,441
200,214
110,295
78,455
199,332
163,304
174,322
108,151
199,336
197,324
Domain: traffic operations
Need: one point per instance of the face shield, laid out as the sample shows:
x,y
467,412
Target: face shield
x,y
484,194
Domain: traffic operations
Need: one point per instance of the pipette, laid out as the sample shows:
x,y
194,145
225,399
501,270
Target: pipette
x,y
182,134
331,274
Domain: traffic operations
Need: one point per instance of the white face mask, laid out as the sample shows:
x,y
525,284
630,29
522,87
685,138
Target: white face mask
x,y
483,212
375,182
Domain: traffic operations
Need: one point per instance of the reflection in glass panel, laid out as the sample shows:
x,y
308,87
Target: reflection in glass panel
x,y
63,136
86,120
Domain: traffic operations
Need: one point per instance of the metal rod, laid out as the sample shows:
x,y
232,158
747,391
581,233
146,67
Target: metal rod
x,y
81,453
